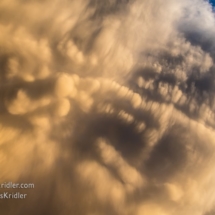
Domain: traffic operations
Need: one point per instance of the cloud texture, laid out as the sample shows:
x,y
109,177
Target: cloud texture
x,y
108,106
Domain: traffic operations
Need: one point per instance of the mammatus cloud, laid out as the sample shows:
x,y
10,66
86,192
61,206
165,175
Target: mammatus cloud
x,y
108,107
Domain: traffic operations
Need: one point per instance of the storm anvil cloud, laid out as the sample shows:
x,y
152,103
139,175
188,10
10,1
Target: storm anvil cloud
x,y
108,107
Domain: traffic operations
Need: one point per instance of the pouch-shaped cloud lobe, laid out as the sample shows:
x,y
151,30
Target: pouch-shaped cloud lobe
x,y
108,106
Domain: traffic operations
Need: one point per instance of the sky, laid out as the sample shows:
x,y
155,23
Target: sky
x,y
108,107
212,2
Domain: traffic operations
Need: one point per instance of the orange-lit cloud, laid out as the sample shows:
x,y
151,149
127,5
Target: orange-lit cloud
x,y
108,106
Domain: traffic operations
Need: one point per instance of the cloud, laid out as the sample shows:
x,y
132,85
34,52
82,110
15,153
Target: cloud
x,y
108,107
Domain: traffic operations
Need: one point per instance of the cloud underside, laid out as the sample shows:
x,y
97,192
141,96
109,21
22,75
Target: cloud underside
x,y
108,107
